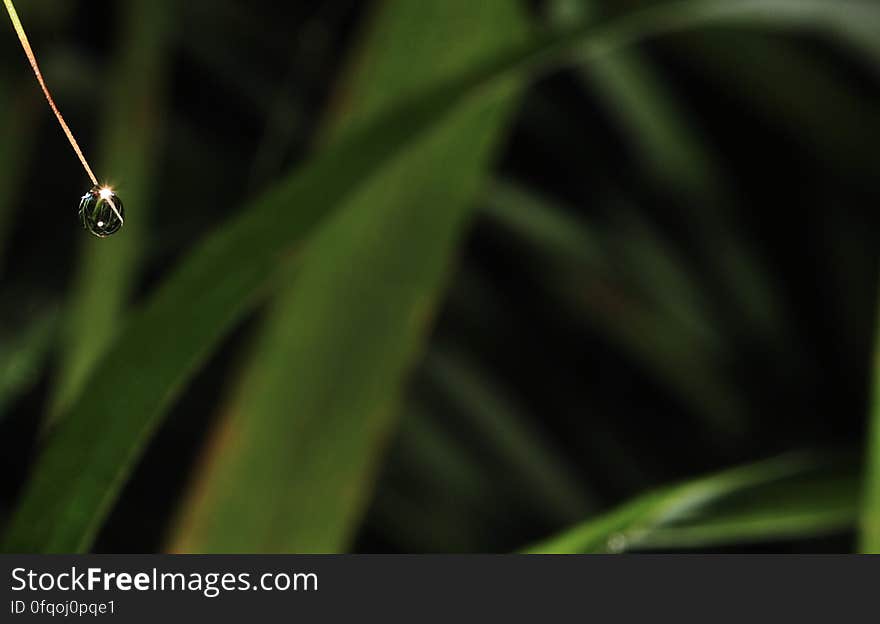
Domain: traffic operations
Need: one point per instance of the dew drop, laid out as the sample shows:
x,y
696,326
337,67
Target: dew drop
x,y
617,543
101,212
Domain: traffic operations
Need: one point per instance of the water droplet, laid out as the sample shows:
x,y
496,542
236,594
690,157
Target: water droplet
x,y
101,212
617,543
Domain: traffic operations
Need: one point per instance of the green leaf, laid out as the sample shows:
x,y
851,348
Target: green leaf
x,y
673,154
792,509
649,115
87,459
528,460
660,322
426,467
790,496
319,399
869,517
804,95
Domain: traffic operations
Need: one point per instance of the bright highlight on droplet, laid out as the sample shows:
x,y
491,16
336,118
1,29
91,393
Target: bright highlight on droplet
x,y
101,212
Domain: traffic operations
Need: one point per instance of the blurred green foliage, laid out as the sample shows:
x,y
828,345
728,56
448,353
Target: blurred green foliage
x,y
492,270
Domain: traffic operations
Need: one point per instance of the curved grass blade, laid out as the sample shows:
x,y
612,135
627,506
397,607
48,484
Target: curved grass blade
x,y
827,115
529,461
650,117
823,506
677,159
89,455
668,337
636,523
869,517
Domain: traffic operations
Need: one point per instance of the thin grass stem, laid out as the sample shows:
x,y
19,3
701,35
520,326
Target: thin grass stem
x,y
25,44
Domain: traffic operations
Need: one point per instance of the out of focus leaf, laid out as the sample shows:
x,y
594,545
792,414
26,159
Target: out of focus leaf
x,y
646,108
780,501
679,348
869,518
436,495
807,97
675,156
791,509
530,462
318,401
88,457
545,225
433,453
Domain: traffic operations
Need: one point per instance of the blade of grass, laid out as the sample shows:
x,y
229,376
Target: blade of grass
x,y
88,457
634,523
635,254
435,495
869,516
820,505
541,476
546,225
428,451
682,350
864,42
827,115
108,267
649,114
677,159
317,403
415,527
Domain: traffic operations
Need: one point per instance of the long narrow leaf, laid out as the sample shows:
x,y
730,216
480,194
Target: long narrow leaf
x,y
650,519
318,403
869,518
